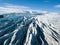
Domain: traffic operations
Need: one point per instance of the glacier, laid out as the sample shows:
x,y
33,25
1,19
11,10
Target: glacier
x,y
28,29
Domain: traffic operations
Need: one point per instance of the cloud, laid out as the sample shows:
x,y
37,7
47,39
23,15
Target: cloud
x,y
57,6
10,8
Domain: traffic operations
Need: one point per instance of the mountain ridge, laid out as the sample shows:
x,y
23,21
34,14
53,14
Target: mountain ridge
x,y
27,30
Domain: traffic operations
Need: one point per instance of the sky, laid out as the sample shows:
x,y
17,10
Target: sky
x,y
45,5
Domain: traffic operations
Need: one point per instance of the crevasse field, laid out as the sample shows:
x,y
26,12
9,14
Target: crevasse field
x,y
30,29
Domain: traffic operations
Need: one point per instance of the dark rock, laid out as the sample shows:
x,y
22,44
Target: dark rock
x,y
1,16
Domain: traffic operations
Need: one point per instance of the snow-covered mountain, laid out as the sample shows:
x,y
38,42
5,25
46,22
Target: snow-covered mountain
x,y
23,29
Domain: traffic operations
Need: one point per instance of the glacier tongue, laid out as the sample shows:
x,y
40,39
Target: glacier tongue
x,y
27,30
